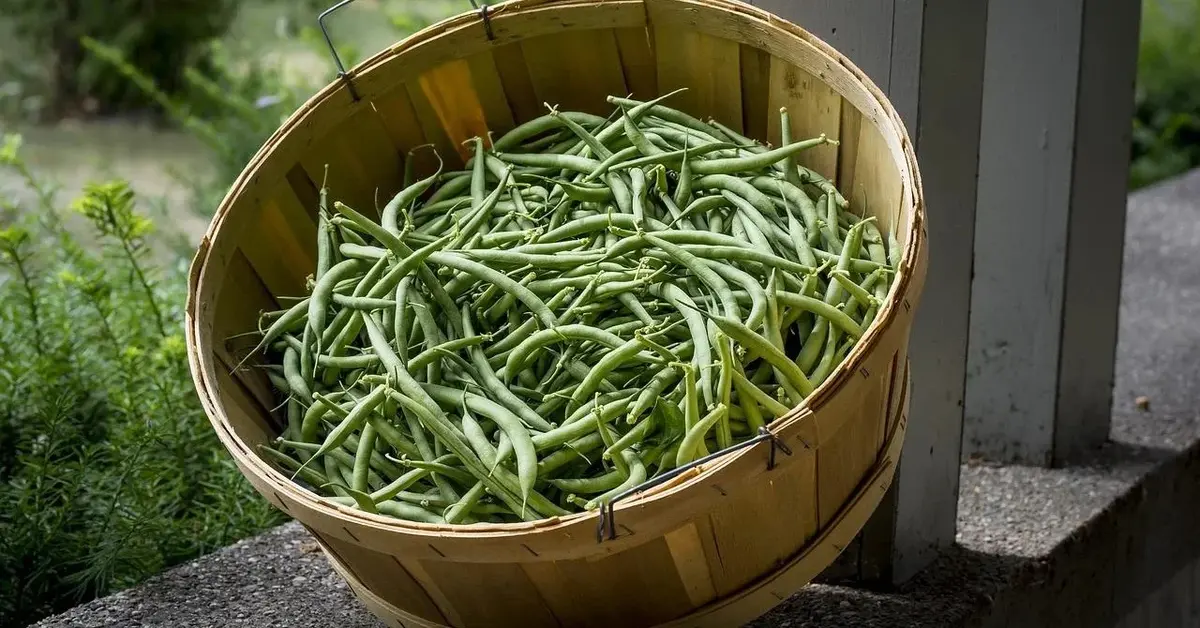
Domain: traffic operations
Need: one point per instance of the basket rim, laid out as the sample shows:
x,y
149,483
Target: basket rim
x,y
907,280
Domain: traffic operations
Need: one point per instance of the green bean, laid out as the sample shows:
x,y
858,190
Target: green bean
x,y
496,388
540,125
406,197
509,423
363,303
636,476
756,161
578,429
291,373
666,113
692,263
481,210
808,353
322,294
521,353
754,342
430,355
453,187
531,504
693,442
311,476
790,173
618,157
582,165
362,459
351,423
599,484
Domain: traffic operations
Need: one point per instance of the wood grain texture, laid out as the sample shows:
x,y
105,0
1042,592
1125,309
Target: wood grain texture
x,y
363,165
467,590
386,577
813,109
518,87
485,78
450,92
637,61
284,266
559,79
242,299
756,83
709,67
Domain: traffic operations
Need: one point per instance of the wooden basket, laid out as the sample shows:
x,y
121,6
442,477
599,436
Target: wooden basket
x,y
715,547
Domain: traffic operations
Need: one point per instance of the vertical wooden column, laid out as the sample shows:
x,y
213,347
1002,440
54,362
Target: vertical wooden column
x,y
928,55
1053,168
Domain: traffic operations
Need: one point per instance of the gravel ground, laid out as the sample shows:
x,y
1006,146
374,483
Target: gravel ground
x,y
1011,519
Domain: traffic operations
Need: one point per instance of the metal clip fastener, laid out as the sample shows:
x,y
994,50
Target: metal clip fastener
x,y
607,521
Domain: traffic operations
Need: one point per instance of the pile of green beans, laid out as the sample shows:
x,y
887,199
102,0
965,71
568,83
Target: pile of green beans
x,y
590,303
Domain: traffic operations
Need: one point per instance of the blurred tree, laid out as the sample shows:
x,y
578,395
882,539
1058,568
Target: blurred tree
x,y
162,37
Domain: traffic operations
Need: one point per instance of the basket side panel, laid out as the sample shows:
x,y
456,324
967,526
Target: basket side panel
x,y
756,84
642,583
247,417
485,78
281,243
399,117
813,108
709,67
490,594
875,184
576,70
454,104
844,459
384,576
242,297
431,124
518,87
363,164
636,46
772,519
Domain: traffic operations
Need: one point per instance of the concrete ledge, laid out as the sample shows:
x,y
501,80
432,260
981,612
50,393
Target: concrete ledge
x,y
1112,540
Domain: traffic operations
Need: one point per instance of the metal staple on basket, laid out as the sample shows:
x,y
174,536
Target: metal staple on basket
x,y
608,515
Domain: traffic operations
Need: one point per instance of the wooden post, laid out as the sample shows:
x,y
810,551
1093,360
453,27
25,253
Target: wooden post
x,y
928,55
1053,169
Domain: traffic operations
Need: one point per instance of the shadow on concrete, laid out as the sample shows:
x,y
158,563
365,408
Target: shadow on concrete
x,y
953,589
1119,456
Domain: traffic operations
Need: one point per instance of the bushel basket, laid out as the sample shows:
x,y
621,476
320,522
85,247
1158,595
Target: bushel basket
x,y
716,545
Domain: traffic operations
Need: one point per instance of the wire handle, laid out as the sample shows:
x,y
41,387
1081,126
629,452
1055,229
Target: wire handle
x,y
606,526
337,59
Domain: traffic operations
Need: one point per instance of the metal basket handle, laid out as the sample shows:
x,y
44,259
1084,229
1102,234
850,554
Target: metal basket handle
x,y
485,17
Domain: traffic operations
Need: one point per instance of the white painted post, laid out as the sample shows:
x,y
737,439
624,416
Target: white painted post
x,y
928,56
1053,168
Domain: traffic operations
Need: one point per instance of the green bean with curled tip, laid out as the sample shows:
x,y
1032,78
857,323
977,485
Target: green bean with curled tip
x,y
756,161
542,124
404,198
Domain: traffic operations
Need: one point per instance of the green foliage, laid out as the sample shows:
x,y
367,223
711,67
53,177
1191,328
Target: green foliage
x,y
161,37
1166,125
232,109
109,469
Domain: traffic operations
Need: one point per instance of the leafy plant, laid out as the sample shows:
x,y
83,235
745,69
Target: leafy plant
x,y
109,471
1166,125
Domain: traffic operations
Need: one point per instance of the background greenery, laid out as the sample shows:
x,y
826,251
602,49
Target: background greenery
x,y
109,471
